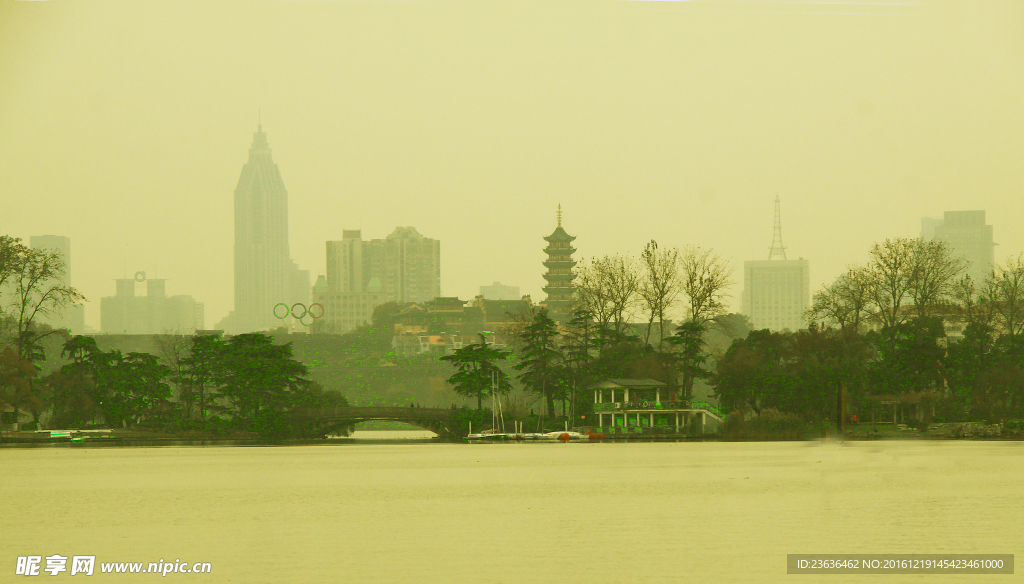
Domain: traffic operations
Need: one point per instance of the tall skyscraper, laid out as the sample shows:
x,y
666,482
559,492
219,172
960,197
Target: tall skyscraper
x,y
361,275
265,274
70,317
776,291
559,276
968,236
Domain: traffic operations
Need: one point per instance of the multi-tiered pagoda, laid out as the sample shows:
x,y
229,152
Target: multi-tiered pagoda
x,y
560,289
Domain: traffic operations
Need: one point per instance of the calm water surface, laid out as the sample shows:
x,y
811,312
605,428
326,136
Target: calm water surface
x,y
478,513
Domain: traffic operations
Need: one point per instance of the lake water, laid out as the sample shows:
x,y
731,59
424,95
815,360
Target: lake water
x,y
516,513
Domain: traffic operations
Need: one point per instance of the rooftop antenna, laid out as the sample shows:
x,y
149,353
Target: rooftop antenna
x,y
778,250
559,214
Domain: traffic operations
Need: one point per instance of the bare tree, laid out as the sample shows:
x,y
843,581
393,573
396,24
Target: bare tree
x,y
591,295
843,302
36,291
1008,292
659,287
704,281
975,301
890,275
174,351
935,272
10,249
607,287
33,289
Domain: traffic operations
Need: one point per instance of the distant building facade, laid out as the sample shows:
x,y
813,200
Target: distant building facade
x,y
444,325
968,236
405,267
498,291
777,291
71,317
155,313
265,274
559,289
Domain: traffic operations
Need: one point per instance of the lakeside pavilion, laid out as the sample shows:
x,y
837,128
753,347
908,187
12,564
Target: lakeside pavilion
x,y
624,405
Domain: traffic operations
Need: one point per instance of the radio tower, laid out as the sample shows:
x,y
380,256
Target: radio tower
x,y
778,250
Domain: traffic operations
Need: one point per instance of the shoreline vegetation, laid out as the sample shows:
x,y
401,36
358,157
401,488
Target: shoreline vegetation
x,y
908,337
748,431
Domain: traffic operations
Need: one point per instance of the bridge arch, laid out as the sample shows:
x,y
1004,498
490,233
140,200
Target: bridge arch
x,y
321,422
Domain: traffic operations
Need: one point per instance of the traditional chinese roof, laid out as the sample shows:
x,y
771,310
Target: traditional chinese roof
x,y
559,234
645,383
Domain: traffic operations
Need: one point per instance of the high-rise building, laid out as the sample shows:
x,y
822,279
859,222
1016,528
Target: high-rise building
x,y
265,274
361,275
69,317
560,289
498,291
968,236
154,313
776,291
407,264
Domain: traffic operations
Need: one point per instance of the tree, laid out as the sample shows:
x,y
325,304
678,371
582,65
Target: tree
x,y
202,369
902,270
976,303
10,249
689,343
843,303
890,277
143,387
933,276
37,290
910,357
607,288
16,387
477,373
32,279
745,375
173,349
258,375
706,278
539,359
1008,295
73,398
659,287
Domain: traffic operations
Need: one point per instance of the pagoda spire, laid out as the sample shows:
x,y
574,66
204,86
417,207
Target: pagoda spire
x,y
559,276
778,251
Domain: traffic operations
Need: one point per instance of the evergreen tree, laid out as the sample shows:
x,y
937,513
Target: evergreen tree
x,y
477,372
540,358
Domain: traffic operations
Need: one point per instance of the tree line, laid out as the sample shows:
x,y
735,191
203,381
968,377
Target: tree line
x,y
601,340
908,327
244,382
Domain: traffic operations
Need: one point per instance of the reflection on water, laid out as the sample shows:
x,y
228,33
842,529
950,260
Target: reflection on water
x,y
392,435
578,512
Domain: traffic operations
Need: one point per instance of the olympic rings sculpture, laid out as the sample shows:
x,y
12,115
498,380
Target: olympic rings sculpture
x,y
299,315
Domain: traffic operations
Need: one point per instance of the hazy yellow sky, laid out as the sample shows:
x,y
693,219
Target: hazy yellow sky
x,y
124,125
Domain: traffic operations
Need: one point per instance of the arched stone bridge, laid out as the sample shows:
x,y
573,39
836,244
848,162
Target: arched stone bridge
x,y
321,422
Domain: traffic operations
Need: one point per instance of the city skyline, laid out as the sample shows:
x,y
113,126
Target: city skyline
x,y
859,136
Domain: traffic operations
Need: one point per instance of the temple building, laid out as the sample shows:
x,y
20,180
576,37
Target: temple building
x,y
560,289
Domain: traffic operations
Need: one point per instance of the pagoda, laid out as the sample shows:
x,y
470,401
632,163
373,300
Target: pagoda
x,y
559,276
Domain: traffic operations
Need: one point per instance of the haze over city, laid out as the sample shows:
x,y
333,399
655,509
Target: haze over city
x,y
124,126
